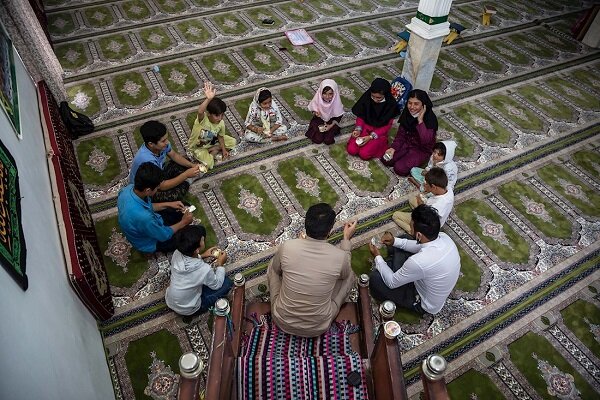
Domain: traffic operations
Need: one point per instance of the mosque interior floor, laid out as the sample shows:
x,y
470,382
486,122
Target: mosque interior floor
x,y
520,97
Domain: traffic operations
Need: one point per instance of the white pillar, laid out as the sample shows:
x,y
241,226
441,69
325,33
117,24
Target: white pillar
x,y
427,30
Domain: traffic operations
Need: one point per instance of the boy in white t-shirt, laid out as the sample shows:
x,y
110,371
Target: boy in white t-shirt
x,y
442,200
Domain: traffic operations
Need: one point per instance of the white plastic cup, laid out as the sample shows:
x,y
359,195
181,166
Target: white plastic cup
x,y
376,241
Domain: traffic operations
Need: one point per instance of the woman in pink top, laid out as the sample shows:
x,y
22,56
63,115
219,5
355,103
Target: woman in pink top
x,y
415,138
375,112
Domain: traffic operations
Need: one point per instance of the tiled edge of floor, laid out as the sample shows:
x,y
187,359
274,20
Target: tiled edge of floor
x,y
508,332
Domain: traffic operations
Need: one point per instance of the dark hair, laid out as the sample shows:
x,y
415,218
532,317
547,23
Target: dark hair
x,y
409,123
426,220
147,176
441,147
187,239
380,86
437,176
326,89
216,106
264,95
152,131
319,221
422,96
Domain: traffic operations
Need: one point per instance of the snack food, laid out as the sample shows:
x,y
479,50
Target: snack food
x,y
360,141
387,156
322,128
191,208
216,253
202,168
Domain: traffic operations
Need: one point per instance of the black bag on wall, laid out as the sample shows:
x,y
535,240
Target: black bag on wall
x,y
77,123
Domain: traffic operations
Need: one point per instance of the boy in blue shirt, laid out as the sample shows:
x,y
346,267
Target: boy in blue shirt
x,y
178,172
148,226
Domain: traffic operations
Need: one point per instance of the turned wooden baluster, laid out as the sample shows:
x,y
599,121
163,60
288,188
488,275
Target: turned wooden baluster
x,y
237,312
432,376
190,368
386,364
365,316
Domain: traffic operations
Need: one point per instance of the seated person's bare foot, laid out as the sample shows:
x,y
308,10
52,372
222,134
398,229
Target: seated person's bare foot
x,y
414,182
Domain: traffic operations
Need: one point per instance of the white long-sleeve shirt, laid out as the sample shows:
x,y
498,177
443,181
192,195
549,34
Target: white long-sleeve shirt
x,y
434,268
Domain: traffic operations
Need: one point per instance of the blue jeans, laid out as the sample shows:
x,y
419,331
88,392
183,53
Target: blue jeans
x,y
209,296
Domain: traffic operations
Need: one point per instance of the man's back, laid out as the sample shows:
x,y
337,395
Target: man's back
x,y
140,224
439,262
312,272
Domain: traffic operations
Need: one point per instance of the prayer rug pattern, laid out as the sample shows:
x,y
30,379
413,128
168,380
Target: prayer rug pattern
x,y
520,97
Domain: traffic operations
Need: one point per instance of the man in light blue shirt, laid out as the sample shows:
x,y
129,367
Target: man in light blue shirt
x,y
423,272
148,226
178,172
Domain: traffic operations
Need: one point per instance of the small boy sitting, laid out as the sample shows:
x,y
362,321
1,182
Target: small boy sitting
x,y
195,285
208,139
443,157
442,199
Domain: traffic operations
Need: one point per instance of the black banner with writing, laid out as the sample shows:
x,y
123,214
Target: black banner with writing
x,y
12,241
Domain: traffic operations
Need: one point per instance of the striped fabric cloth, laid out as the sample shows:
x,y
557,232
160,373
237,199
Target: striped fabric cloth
x,y
276,365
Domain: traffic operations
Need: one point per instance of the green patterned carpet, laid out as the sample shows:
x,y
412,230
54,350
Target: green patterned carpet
x,y
520,97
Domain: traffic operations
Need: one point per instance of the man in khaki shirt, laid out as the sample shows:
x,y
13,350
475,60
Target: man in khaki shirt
x,y
309,279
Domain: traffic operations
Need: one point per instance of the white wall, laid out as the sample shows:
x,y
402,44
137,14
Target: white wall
x,y
50,346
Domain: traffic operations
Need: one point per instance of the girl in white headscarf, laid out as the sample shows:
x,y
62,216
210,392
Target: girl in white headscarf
x,y
327,110
264,122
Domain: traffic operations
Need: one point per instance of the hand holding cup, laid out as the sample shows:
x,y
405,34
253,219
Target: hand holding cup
x,y
222,258
374,250
387,239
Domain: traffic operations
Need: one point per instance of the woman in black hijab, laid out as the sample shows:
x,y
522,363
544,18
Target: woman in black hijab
x,y
375,112
415,138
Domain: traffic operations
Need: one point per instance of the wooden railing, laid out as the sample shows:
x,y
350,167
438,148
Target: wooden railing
x,y
221,362
237,312
190,368
432,376
220,381
386,369
365,316
386,372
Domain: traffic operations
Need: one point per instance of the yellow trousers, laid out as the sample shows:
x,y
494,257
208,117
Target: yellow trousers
x,y
403,218
451,37
486,19
203,155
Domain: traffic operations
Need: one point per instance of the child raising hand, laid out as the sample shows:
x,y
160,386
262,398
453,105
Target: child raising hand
x,y
208,139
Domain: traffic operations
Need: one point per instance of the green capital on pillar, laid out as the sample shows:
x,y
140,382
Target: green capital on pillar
x,y
431,20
